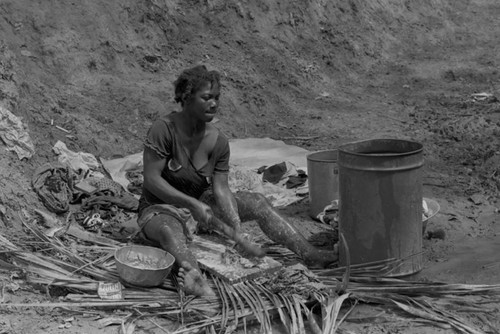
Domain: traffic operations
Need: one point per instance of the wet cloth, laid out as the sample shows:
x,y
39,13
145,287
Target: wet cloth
x,y
295,181
179,171
274,173
53,183
281,173
189,224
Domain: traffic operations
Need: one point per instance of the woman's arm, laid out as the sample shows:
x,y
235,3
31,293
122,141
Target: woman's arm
x,y
230,224
158,186
225,200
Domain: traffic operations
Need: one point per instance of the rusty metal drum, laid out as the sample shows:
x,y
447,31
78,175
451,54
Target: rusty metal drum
x,y
380,209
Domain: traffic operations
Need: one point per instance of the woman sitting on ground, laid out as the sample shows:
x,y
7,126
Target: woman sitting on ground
x,y
186,165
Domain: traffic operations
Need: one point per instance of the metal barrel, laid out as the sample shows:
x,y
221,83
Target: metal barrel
x,y
322,177
380,209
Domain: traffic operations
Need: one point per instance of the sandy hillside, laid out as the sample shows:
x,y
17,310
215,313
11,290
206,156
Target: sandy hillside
x,y
315,74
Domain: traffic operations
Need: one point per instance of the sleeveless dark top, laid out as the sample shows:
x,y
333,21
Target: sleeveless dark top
x,y
179,171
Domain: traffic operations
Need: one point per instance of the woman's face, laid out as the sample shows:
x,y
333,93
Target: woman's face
x,y
204,103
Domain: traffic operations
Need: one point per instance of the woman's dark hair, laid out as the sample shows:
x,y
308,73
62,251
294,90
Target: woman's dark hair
x,y
193,79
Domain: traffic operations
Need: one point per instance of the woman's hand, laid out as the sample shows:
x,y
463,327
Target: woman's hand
x,y
202,213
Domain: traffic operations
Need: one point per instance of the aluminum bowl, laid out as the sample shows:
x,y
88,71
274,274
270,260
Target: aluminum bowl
x,y
142,265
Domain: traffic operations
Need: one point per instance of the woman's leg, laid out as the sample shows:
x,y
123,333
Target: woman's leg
x,y
254,206
168,232
246,248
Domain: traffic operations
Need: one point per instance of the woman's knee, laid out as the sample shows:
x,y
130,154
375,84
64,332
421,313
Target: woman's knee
x,y
164,227
252,205
256,199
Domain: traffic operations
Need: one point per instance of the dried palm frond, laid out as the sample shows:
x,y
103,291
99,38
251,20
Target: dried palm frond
x,y
417,288
420,308
381,268
330,308
289,295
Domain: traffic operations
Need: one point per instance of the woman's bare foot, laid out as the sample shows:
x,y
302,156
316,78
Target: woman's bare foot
x,y
249,248
321,258
192,282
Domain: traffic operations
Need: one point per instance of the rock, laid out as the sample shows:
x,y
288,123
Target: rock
x,y
436,234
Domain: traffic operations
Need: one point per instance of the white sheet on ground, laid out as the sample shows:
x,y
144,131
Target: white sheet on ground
x,y
247,155
257,152
118,168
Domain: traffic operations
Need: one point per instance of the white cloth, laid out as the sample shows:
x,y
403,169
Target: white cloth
x,y
77,161
15,134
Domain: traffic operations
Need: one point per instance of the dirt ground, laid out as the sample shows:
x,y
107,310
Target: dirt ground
x,y
315,74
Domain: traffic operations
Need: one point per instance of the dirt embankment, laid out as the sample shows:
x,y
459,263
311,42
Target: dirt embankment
x,y
103,70
312,73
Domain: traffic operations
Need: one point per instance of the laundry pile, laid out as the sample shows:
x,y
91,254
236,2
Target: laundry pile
x,y
282,183
77,183
100,195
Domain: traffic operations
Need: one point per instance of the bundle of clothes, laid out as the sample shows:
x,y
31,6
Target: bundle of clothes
x,y
99,196
77,184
